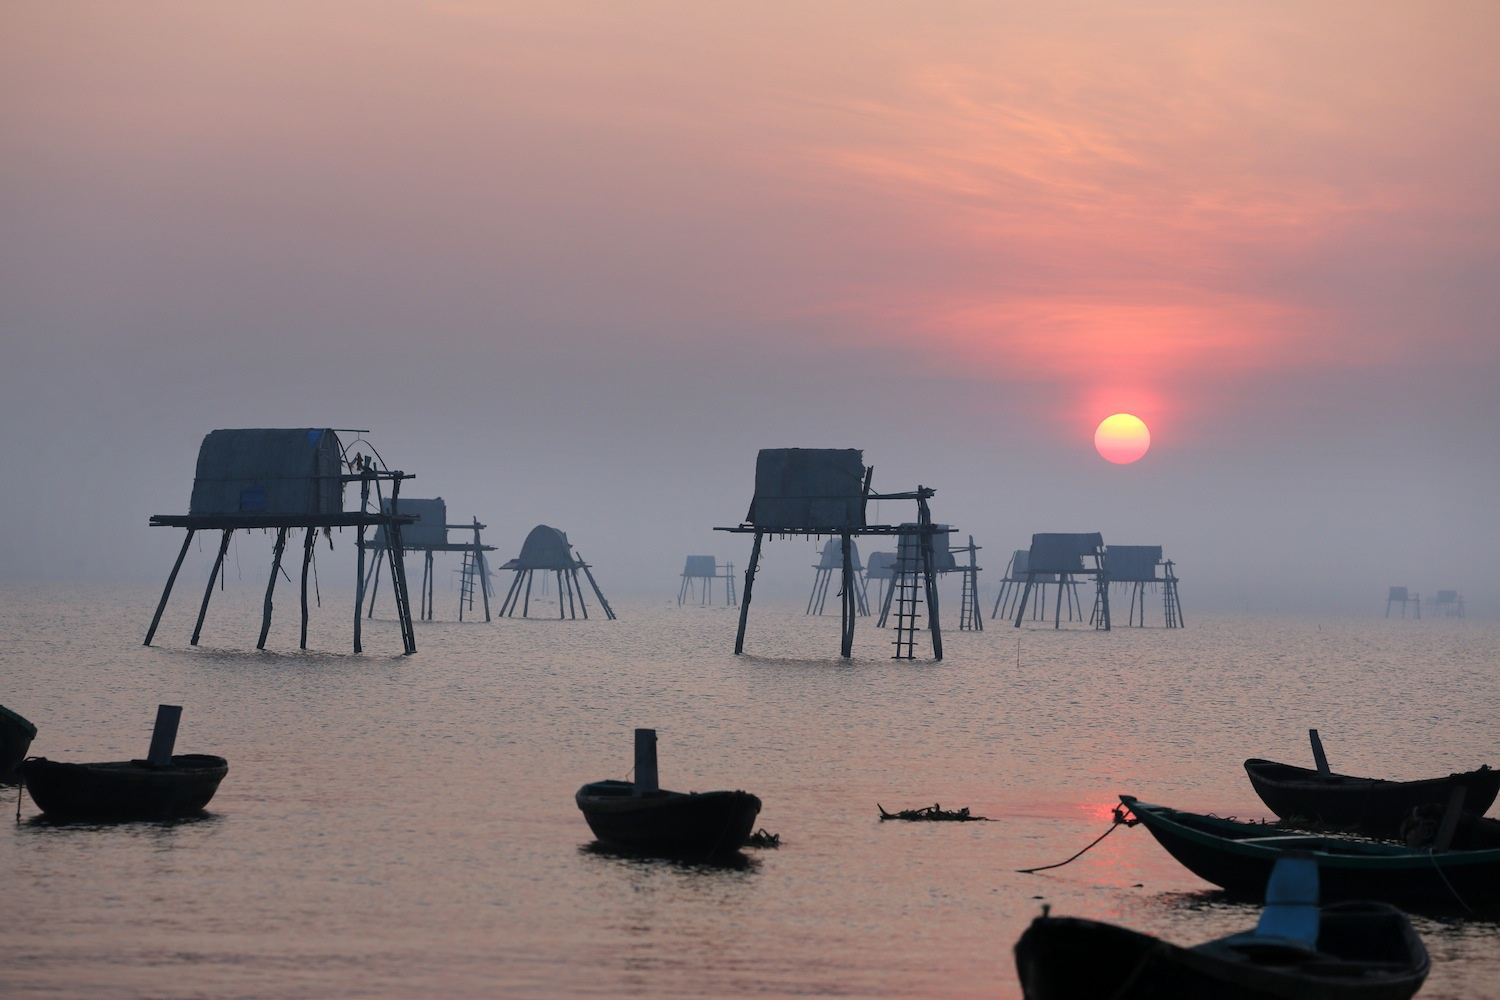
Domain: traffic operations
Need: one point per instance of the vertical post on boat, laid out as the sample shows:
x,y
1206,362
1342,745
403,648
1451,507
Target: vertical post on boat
x,y
1449,824
645,762
1319,757
164,735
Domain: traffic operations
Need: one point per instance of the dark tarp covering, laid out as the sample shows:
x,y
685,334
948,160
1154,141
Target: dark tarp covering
x,y
429,530
1132,563
817,488
269,471
1062,553
701,566
544,548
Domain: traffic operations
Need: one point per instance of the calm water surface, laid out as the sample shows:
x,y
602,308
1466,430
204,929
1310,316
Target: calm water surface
x,y
404,826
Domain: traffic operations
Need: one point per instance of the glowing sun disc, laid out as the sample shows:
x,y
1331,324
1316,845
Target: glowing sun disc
x,y
1122,438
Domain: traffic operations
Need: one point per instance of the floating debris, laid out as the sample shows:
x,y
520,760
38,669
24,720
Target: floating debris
x,y
763,838
932,812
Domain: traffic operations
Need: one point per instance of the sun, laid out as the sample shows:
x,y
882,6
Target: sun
x,y
1122,438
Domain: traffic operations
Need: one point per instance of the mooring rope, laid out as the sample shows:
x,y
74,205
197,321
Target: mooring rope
x,y
1119,820
1439,868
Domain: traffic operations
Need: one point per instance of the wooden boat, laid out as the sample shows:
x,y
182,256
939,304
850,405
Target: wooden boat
x,y
1238,858
1363,951
685,824
130,789
1371,806
16,734
643,818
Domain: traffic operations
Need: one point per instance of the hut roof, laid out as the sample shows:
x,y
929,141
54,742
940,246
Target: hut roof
x,y
269,471
881,566
909,551
818,488
544,548
701,566
832,556
1062,553
1132,563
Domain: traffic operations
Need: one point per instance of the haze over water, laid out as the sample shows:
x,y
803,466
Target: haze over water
x,y
404,826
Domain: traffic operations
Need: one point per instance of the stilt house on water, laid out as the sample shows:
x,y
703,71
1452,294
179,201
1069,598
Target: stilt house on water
x,y
831,559
547,549
907,560
812,492
703,571
1017,573
1403,597
429,534
1064,557
1135,567
278,480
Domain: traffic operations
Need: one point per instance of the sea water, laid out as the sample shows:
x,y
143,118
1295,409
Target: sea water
x,y
404,826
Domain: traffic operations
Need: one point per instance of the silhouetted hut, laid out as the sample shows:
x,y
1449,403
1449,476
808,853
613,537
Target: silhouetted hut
x,y
1136,567
813,492
429,535
548,550
881,566
1067,556
1402,596
281,479
831,560
907,559
704,570
1449,604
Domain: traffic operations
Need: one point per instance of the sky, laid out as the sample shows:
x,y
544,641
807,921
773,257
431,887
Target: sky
x,y
574,263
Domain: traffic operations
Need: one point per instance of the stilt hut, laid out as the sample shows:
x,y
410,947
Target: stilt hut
x,y
548,550
881,566
1136,567
1068,556
280,480
1449,604
1014,582
1403,597
702,571
429,535
830,561
811,492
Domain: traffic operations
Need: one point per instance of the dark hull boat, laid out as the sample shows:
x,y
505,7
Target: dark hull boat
x,y
703,825
131,789
16,734
1371,806
1238,857
1364,951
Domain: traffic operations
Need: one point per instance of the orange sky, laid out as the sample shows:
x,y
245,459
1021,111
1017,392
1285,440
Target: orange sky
x,y
1223,217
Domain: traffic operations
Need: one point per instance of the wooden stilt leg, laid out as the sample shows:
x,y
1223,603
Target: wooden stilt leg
x,y
846,646
265,614
307,552
209,590
166,592
739,638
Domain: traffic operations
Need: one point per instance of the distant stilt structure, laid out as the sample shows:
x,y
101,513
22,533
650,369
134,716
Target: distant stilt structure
x,y
1065,555
824,491
704,570
1135,567
969,618
548,549
1449,604
1014,583
284,479
428,535
908,565
881,566
831,560
1402,596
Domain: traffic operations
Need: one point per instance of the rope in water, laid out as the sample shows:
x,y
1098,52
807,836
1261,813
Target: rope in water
x,y
1119,820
